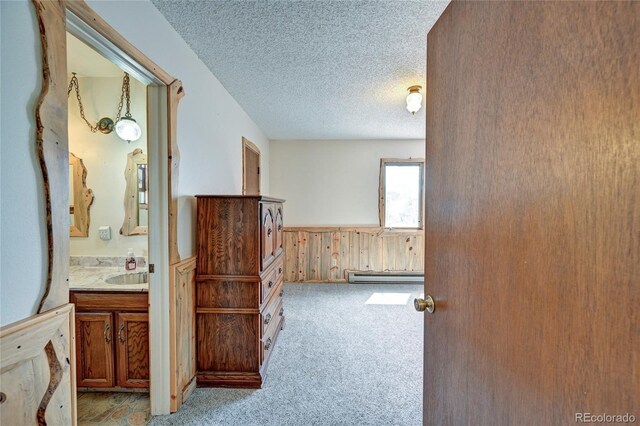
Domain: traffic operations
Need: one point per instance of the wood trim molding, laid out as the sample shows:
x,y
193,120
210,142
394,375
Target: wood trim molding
x,y
53,149
89,16
37,369
174,95
381,187
247,144
82,198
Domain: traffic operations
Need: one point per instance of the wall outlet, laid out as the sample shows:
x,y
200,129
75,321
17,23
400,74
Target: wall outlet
x,y
334,262
105,233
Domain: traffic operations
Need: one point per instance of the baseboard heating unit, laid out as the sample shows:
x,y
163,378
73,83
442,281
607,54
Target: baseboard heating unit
x,y
399,277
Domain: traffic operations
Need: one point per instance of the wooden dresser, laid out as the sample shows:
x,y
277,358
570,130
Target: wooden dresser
x,y
239,282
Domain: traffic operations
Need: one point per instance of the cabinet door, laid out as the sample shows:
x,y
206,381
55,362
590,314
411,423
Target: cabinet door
x,y
94,350
133,350
267,231
279,229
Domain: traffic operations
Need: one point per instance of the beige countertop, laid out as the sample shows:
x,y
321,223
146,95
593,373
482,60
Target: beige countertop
x,y
93,278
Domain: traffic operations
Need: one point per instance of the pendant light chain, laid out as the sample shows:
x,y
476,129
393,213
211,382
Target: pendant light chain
x,y
125,94
74,84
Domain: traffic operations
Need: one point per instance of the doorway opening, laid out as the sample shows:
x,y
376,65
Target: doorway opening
x,y
250,168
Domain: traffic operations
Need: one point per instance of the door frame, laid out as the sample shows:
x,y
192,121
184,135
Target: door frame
x,y
247,144
163,95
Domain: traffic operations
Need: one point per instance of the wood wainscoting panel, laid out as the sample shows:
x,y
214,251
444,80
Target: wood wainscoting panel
x,y
182,314
324,254
37,370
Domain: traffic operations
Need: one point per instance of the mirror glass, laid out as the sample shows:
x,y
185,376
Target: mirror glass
x,y
136,197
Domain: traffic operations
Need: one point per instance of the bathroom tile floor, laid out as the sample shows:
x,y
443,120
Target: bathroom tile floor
x,y
113,408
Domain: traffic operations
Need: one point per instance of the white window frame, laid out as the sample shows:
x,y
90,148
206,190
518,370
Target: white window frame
x,y
384,162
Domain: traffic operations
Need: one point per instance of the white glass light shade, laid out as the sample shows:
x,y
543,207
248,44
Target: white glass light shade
x,y
414,99
128,129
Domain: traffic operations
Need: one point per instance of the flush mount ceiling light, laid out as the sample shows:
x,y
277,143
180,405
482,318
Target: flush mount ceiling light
x,y
414,99
125,127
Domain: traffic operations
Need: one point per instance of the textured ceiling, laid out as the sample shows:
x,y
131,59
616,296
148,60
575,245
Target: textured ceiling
x,y
314,69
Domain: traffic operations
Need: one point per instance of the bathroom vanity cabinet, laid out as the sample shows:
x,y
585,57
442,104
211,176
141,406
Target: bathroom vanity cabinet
x,y
112,339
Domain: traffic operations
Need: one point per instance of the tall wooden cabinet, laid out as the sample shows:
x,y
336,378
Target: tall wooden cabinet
x,y
239,288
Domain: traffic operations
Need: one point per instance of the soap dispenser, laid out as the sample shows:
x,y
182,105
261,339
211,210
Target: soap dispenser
x,y
130,262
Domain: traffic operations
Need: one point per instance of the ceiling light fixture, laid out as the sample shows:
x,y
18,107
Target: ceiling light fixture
x,y
125,127
414,99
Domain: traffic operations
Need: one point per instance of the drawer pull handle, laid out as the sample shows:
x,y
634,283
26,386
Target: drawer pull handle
x,y
279,270
281,311
120,335
279,227
107,335
269,231
270,284
267,345
281,292
267,319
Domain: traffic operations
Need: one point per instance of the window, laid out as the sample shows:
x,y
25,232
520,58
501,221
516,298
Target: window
x,y
401,193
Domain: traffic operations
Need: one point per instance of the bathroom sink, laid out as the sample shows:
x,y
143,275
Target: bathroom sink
x,y
133,278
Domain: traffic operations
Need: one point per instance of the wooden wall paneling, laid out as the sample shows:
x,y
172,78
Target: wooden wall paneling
x,y
303,253
375,252
354,251
314,244
182,319
332,251
37,370
389,247
344,255
291,256
326,255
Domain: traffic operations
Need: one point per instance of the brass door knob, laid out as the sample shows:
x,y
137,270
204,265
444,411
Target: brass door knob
x,y
426,304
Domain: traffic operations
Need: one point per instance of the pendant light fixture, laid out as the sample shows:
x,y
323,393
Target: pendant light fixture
x,y
125,127
414,99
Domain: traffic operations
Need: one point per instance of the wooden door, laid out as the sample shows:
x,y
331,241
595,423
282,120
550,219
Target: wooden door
x,y
279,229
267,231
94,350
133,350
250,168
532,213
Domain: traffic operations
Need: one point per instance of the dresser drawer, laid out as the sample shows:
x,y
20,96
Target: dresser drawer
x,y
268,341
271,279
271,314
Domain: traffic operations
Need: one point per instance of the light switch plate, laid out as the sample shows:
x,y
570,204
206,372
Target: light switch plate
x,y
105,233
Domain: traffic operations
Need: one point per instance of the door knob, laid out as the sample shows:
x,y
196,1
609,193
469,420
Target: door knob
x,y
426,304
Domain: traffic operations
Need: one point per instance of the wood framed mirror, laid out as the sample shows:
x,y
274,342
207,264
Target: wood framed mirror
x,y
136,195
80,198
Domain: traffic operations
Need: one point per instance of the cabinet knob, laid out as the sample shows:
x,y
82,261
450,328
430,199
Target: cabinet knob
x,y
270,284
279,227
281,292
279,270
267,319
267,345
269,231
281,311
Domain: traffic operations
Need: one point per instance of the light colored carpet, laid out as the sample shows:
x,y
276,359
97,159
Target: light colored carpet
x,y
337,362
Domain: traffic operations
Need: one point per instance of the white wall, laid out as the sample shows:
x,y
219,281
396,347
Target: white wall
x,y
211,125
105,157
23,247
333,182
